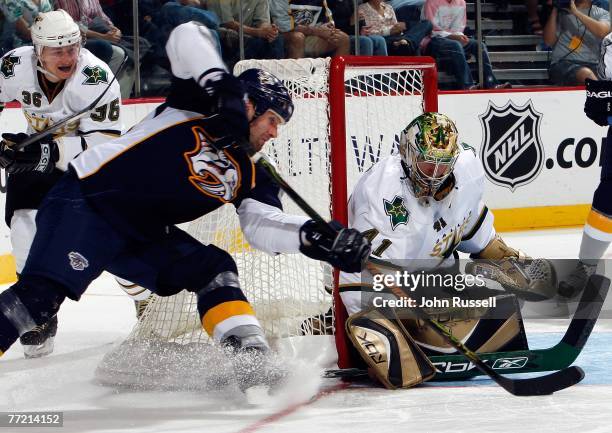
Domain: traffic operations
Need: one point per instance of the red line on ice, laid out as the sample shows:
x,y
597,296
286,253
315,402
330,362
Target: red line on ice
x,y
290,409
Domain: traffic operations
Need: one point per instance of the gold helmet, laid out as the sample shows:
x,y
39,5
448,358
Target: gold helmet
x,y
429,149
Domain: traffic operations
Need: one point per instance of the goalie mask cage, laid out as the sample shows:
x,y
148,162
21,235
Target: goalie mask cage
x,y
349,112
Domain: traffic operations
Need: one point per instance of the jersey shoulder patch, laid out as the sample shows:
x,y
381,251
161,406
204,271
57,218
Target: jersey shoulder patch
x,y
94,75
7,67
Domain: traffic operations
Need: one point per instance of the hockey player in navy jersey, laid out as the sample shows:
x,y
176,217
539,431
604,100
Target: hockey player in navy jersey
x,y
117,207
597,233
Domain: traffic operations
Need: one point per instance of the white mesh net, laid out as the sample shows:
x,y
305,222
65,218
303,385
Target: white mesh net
x,y
288,292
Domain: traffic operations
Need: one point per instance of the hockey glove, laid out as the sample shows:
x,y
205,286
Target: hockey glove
x,y
39,156
598,104
343,248
228,101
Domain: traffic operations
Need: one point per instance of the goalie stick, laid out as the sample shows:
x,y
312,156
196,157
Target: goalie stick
x,y
542,385
51,129
557,357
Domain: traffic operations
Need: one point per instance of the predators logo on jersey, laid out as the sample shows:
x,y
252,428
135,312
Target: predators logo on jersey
x,y
7,68
213,172
396,210
95,75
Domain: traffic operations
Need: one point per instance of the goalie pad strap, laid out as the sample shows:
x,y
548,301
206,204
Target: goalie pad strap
x,y
392,355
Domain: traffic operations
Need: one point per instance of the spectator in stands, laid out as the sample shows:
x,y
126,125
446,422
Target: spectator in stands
x,y
174,13
401,41
575,35
451,47
262,39
7,32
344,19
308,28
97,26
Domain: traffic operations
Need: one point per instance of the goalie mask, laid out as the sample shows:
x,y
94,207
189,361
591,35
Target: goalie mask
x,y
267,93
429,149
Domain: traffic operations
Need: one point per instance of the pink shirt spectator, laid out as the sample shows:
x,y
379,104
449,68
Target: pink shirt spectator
x,y
447,17
83,11
377,23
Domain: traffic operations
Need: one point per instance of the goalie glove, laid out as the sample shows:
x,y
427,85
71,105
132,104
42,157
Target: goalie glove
x,y
39,156
527,278
344,248
598,104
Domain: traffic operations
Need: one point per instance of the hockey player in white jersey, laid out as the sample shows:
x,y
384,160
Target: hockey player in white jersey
x,y
52,80
418,208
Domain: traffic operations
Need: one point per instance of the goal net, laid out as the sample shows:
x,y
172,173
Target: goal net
x,y
348,114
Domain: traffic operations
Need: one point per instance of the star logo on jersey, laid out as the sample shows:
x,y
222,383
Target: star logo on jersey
x,y
512,152
398,214
95,75
7,68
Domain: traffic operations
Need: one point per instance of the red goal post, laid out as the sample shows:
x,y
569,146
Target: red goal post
x,y
338,138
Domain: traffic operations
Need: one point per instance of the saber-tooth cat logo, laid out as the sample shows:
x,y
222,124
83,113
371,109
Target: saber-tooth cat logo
x,y
511,151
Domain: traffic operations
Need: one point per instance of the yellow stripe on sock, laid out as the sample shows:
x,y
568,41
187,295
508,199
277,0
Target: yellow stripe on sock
x,y
8,273
221,312
599,221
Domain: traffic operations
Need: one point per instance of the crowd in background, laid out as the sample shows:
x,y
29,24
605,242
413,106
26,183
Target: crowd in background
x,y
275,29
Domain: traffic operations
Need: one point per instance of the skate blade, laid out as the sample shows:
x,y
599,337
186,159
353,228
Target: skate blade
x,y
39,350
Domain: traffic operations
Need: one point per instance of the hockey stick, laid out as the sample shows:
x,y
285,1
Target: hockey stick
x,y
542,385
557,357
56,126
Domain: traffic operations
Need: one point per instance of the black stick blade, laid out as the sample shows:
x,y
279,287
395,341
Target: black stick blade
x,y
544,385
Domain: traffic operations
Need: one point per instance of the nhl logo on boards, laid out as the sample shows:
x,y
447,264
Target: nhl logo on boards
x,y
512,152
77,261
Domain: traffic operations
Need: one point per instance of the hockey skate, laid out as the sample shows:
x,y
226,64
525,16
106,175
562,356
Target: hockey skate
x,y
254,365
40,340
577,279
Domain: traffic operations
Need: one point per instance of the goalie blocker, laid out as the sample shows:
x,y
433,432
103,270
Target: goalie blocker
x,y
396,347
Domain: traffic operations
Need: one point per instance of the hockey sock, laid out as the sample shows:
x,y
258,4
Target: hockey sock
x,y
591,250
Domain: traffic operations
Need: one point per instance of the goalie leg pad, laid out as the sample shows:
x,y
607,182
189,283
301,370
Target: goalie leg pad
x,y
392,355
481,329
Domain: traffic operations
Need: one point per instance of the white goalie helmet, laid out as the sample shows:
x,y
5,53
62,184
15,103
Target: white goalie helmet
x,y
54,29
429,148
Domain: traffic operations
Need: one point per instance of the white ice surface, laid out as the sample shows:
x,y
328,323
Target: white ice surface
x,y
63,382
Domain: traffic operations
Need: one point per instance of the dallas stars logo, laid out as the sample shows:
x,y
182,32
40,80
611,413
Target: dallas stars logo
x,y
397,211
8,65
94,75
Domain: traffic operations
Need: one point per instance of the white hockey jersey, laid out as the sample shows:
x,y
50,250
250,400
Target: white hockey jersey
x,y
408,232
19,82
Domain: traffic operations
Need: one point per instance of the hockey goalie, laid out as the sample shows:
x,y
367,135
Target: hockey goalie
x,y
419,208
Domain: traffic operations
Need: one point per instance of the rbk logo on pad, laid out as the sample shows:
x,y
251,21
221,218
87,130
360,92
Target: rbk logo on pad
x,y
512,152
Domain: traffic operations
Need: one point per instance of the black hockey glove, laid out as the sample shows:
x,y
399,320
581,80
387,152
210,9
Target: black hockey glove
x,y
598,104
228,100
345,248
39,156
